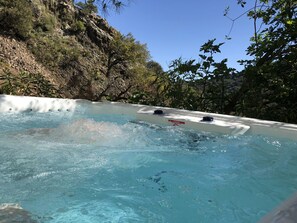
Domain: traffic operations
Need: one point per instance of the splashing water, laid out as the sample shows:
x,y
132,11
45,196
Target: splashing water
x,y
83,168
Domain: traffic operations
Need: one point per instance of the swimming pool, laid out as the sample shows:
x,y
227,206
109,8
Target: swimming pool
x,y
103,164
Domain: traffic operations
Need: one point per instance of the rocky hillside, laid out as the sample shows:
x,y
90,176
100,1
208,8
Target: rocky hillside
x,y
16,58
54,48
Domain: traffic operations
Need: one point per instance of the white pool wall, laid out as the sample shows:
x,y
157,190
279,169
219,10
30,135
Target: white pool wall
x,y
10,103
224,124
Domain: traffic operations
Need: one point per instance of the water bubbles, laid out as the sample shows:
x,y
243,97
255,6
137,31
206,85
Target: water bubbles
x,y
95,211
276,144
110,169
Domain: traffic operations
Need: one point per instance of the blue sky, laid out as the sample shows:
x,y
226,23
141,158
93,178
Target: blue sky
x,y
173,29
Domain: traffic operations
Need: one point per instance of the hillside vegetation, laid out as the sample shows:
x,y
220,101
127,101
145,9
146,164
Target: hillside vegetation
x,y
53,48
58,49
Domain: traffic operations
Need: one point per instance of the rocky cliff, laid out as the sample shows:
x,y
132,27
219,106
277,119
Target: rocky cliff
x,y
72,53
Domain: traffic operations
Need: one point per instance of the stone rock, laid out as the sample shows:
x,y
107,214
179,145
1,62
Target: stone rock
x,y
13,213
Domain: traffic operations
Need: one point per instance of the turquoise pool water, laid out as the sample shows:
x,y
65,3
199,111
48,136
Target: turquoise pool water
x,y
75,167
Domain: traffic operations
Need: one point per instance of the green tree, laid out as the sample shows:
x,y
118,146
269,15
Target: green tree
x,y
16,17
88,7
266,88
269,89
151,85
126,51
204,85
126,60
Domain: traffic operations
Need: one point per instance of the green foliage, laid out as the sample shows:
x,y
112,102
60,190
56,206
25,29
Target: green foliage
x,y
271,77
88,7
202,85
46,23
26,84
78,26
125,66
54,51
16,17
155,67
266,88
126,51
151,85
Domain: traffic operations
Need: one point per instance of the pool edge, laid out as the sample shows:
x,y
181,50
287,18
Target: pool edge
x,y
224,124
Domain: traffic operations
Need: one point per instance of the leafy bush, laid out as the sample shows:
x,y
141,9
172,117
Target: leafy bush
x,y
16,17
53,51
46,23
27,84
78,26
88,7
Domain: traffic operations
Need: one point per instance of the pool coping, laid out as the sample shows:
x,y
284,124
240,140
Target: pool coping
x,y
225,124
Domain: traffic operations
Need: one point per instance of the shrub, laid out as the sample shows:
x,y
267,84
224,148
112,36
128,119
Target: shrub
x,y
24,83
54,52
46,23
78,26
88,7
16,17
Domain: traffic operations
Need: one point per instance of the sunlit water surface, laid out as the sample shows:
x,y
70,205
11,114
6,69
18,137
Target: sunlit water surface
x,y
112,168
